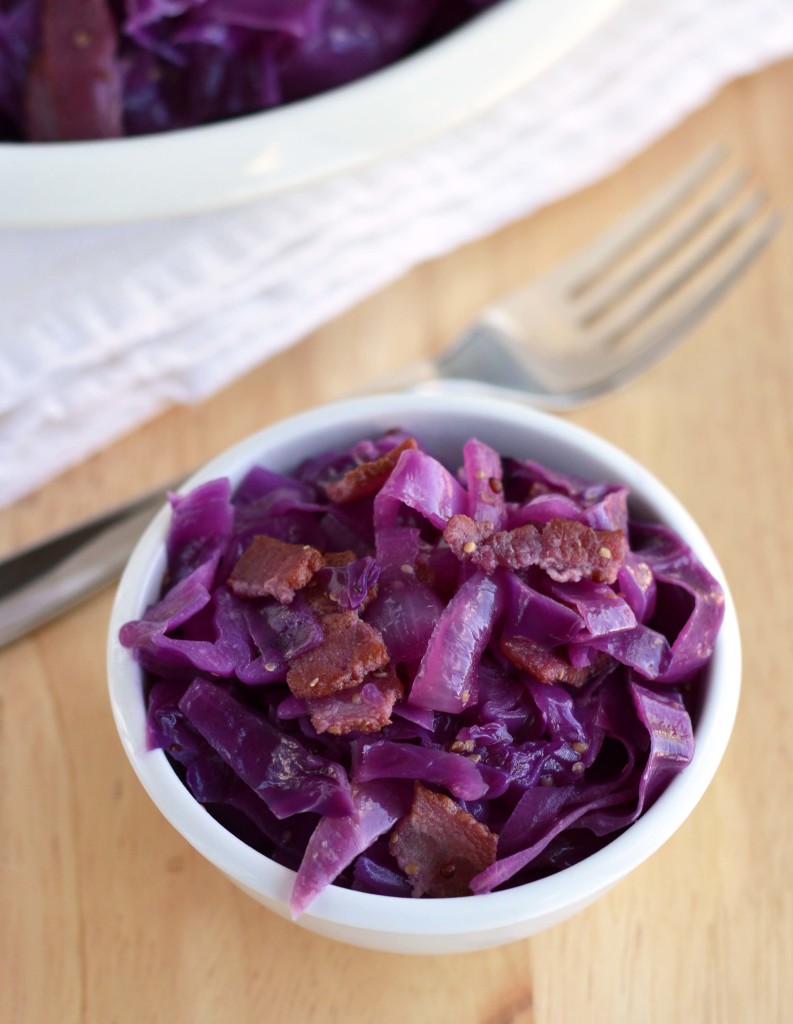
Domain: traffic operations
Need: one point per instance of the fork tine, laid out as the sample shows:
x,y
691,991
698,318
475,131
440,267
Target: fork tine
x,y
608,292
591,263
630,314
661,335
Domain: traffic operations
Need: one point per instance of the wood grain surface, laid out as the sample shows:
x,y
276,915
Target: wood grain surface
x,y
107,915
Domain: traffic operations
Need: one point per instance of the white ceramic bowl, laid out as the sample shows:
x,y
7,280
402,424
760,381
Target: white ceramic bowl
x,y
188,171
444,420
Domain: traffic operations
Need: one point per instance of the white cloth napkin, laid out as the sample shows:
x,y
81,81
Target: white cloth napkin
x,y
103,327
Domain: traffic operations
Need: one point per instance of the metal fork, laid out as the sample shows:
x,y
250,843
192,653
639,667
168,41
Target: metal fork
x,y
585,328
616,307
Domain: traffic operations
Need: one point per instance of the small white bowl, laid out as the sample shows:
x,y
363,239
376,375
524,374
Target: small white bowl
x,y
445,421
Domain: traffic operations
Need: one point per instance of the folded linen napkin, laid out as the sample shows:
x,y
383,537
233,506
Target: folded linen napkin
x,y
103,327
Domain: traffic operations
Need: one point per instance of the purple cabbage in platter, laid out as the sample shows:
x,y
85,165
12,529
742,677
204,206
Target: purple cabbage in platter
x,y
424,485
484,483
446,678
278,768
201,527
554,769
91,69
158,639
406,612
336,842
384,759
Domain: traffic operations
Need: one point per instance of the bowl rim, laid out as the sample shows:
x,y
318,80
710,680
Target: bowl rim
x,y
490,912
305,143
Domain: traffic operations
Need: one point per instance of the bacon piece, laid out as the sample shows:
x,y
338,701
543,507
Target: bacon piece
x,y
465,536
439,846
514,549
367,708
367,479
273,568
477,542
350,651
567,550
547,665
573,551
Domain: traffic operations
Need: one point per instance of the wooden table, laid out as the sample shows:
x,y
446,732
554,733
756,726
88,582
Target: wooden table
x,y
107,915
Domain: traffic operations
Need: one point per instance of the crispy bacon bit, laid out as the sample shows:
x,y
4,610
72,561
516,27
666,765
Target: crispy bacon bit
x,y
273,568
366,479
515,549
470,539
367,708
546,665
567,550
464,535
440,846
350,651
573,551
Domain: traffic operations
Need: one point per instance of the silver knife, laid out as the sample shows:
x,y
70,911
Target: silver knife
x,y
44,580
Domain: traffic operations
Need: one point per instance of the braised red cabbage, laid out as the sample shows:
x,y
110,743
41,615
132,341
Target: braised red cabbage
x,y
95,69
547,716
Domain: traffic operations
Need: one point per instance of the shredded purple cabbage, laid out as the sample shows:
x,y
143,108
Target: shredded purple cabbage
x,y
91,69
554,756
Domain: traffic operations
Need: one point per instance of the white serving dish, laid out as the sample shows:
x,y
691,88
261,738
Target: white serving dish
x,y
234,162
444,420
